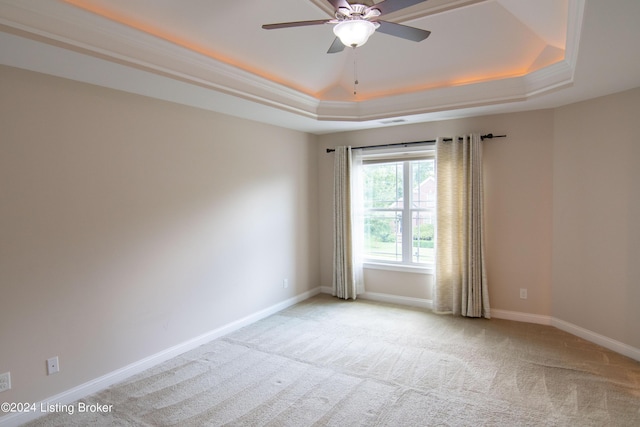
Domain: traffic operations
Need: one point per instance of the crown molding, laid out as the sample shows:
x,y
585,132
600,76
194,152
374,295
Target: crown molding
x,y
71,28
68,27
550,78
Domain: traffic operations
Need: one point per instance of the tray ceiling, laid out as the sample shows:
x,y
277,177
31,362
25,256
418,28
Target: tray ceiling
x,y
480,52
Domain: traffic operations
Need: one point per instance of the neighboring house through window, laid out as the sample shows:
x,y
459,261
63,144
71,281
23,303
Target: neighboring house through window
x,y
399,209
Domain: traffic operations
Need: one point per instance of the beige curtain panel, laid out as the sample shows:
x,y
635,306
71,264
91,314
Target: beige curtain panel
x,y
347,268
461,279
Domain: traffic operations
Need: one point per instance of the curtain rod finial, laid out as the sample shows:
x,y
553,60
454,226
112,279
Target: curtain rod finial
x,y
491,136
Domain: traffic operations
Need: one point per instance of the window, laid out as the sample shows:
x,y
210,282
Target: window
x,y
399,210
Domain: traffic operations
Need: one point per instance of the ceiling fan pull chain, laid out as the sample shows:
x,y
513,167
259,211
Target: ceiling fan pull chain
x,y
355,72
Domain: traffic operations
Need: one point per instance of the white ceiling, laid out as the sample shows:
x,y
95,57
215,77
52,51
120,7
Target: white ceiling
x,y
483,56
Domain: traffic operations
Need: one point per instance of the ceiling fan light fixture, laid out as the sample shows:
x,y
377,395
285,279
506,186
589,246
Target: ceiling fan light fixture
x,y
355,32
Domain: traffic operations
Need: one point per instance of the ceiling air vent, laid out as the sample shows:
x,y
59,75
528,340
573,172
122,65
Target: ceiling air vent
x,y
392,121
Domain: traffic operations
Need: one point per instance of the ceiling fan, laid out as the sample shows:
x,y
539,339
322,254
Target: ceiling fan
x,y
355,22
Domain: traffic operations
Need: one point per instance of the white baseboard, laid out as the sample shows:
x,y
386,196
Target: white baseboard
x,y
521,317
392,299
395,299
596,338
100,383
578,331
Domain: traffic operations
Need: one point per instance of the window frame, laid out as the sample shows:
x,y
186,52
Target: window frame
x,y
405,157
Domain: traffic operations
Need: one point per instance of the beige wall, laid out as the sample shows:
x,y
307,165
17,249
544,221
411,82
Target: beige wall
x,y
129,225
518,178
411,285
596,216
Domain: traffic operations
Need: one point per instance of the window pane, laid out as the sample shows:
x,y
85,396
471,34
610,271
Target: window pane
x,y
423,236
383,236
387,185
383,185
423,185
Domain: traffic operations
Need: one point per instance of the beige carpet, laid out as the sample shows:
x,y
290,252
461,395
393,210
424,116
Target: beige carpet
x,y
327,362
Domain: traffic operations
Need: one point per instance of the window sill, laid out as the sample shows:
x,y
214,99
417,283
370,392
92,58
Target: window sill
x,y
429,269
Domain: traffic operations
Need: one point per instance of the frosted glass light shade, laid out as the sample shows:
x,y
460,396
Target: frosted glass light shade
x,y
354,33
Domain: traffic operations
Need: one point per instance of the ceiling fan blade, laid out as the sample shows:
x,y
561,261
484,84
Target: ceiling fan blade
x,y
336,46
295,24
388,6
402,31
337,4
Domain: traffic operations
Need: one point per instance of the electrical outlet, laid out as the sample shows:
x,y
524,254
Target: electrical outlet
x,y
5,381
523,293
285,283
53,365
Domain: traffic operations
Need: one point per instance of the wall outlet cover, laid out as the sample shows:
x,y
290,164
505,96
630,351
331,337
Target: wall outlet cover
x,y
53,365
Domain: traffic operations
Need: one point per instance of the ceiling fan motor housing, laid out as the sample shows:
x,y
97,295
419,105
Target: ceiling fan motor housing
x,y
357,11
